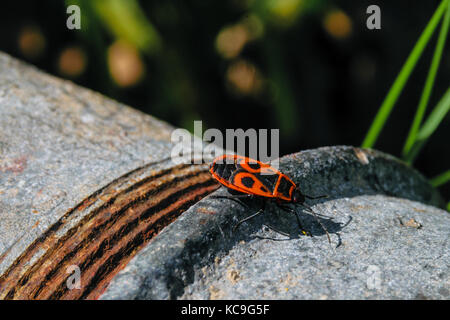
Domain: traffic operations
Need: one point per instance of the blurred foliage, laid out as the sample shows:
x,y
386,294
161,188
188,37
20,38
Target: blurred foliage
x,y
308,67
441,179
126,20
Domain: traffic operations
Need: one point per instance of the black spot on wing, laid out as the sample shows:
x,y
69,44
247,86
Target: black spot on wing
x,y
269,181
248,182
236,180
254,165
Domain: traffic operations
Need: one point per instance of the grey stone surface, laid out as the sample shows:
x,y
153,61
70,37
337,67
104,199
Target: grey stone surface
x,y
390,240
60,143
378,257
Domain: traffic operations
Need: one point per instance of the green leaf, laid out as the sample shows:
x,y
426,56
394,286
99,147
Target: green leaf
x,y
441,179
428,83
126,20
429,127
400,81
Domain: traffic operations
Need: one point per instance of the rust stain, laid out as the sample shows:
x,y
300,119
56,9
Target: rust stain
x,y
86,203
105,198
205,210
107,237
8,250
17,165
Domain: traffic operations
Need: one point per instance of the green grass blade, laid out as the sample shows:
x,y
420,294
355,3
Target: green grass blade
x,y
436,116
441,179
428,83
125,19
434,119
400,81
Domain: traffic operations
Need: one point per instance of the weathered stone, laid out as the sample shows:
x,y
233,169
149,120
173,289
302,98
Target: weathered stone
x,y
376,251
82,183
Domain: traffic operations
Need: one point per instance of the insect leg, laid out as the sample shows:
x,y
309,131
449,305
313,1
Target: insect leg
x,y
234,198
277,231
250,217
231,197
316,197
290,210
317,219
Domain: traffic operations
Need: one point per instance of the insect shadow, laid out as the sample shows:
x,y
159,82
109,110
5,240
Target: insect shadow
x,y
308,223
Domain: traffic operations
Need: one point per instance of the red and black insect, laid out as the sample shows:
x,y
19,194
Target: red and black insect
x,y
248,177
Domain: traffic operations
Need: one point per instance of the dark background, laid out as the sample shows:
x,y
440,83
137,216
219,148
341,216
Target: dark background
x,y
308,67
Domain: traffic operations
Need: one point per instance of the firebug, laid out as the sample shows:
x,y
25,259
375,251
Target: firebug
x,y
246,177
